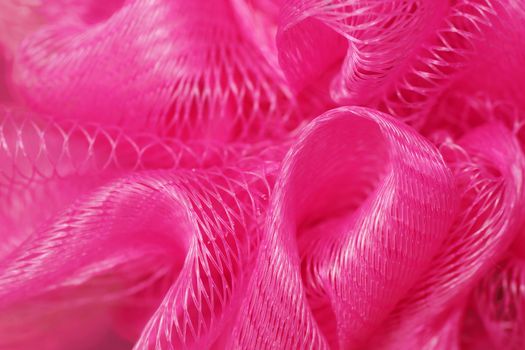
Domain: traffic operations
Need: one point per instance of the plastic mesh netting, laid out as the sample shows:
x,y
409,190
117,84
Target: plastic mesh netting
x,y
262,174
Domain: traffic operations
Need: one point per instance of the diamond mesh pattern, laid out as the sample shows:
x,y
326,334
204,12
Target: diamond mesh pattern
x,y
165,182
205,78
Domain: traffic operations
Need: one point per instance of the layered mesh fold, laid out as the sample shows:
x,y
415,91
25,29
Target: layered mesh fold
x,y
262,174
194,72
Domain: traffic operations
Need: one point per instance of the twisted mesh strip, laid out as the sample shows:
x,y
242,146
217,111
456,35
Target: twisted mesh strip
x,y
42,161
198,307
497,69
113,238
443,57
36,148
368,39
186,69
80,239
396,56
139,230
321,296
489,166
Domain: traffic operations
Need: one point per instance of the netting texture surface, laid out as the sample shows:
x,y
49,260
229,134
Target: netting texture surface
x,y
262,174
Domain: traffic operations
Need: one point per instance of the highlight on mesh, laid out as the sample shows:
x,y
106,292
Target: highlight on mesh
x,y
262,174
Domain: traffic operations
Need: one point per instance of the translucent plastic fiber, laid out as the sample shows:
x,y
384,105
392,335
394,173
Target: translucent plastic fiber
x,y
262,174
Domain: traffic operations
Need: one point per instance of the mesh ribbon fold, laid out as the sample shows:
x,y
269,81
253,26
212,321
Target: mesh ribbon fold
x,y
262,174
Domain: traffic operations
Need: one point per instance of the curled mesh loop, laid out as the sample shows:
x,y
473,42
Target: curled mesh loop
x,y
262,174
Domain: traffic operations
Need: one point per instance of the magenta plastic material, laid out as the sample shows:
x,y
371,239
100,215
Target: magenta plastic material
x,y
262,174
